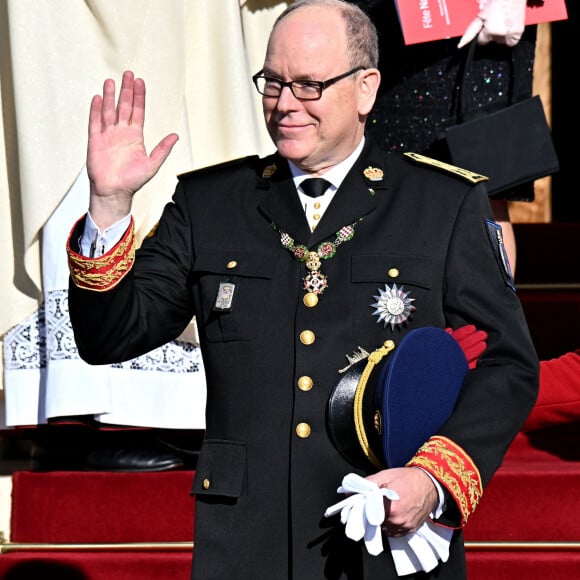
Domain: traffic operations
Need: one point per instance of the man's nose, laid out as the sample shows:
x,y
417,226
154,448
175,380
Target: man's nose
x,y
287,99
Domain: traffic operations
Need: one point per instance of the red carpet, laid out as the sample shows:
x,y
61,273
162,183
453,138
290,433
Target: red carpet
x,y
532,498
96,507
111,565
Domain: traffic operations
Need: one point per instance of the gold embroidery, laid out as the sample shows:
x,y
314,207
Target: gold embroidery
x,y
453,467
103,273
373,173
269,171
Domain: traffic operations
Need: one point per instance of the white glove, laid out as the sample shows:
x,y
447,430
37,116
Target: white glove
x,y
421,550
501,21
363,513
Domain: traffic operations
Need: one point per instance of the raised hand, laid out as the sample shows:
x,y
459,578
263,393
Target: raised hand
x,y
117,162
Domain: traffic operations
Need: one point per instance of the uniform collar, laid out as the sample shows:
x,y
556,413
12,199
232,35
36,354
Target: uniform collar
x,y
355,197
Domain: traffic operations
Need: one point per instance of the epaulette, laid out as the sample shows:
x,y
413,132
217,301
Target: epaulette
x,y
218,167
464,173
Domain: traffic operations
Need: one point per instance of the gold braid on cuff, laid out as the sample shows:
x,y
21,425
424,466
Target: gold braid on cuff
x,y
105,272
449,464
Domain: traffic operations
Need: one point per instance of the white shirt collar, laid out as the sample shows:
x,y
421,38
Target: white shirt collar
x,y
314,209
335,175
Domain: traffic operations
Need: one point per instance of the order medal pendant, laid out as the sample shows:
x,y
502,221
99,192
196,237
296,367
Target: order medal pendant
x,y
315,282
313,261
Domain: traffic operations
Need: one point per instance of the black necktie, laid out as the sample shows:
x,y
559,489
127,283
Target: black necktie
x,y
315,186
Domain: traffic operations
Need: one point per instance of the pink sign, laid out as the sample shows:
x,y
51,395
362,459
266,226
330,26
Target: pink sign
x,y
426,20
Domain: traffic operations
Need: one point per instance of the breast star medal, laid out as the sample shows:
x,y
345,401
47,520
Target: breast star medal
x,y
393,306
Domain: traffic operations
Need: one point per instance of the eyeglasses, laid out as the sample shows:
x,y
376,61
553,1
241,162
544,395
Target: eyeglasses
x,y
303,90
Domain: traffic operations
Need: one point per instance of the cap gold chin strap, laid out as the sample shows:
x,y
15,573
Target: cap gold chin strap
x,y
374,358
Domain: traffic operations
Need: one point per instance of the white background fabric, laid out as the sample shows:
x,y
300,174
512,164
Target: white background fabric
x,y
197,58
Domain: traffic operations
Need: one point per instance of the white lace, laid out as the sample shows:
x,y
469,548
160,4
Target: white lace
x,y
47,336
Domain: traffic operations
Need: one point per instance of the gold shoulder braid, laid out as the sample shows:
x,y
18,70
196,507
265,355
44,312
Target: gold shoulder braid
x,y
103,273
466,174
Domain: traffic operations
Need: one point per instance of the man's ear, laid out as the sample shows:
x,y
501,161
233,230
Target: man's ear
x,y
369,80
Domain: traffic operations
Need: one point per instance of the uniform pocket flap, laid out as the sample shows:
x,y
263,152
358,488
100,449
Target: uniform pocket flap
x,y
234,262
413,269
221,468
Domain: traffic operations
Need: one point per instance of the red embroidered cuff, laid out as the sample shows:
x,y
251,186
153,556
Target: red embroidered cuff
x,y
453,468
103,273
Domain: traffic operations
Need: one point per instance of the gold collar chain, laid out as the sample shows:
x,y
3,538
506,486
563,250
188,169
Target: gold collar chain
x,y
315,282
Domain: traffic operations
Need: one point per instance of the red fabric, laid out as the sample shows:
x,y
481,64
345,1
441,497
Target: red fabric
x,y
534,494
559,395
532,497
113,565
558,565
524,565
442,455
97,507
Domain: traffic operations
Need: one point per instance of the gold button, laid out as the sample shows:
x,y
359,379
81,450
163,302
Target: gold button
x,y
307,337
206,484
393,272
303,430
305,383
316,216
310,300
231,264
317,205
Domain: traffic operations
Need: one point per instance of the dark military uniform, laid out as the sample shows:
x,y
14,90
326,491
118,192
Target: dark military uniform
x,y
267,469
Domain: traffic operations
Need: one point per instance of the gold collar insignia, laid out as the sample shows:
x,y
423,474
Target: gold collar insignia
x,y
373,173
269,171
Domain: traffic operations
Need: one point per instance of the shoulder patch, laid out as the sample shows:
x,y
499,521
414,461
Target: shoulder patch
x,y
219,166
495,234
464,173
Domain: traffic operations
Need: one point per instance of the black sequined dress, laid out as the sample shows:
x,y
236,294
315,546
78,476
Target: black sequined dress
x,y
419,88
